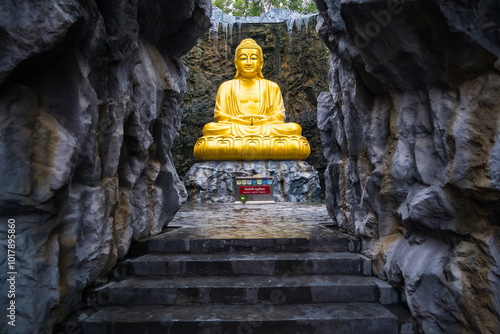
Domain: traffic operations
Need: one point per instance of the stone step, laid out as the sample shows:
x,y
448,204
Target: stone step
x,y
246,290
173,242
341,318
244,264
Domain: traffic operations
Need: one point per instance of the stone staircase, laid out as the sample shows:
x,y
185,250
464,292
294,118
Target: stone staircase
x,y
184,282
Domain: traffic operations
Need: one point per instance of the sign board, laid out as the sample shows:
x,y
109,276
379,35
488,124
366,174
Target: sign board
x,y
256,188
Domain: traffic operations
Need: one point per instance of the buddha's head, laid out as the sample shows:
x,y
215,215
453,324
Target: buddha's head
x,y
248,60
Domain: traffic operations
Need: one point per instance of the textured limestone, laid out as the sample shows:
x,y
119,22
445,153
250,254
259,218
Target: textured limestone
x,y
275,15
213,181
411,131
89,109
294,57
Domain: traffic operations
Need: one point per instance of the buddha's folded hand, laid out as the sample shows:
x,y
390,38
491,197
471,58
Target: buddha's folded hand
x,y
260,119
241,119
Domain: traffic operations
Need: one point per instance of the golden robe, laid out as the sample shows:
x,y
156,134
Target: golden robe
x,y
270,104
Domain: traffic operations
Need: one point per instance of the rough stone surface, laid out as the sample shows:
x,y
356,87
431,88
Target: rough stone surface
x,y
89,109
410,127
294,57
275,15
214,181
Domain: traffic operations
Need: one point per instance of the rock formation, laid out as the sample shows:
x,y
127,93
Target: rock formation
x,y
410,126
213,181
294,57
89,110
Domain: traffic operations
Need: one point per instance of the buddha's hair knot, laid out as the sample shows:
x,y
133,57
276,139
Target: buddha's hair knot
x,y
249,43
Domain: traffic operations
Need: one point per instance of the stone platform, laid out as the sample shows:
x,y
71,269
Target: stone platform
x,y
213,181
261,269
210,225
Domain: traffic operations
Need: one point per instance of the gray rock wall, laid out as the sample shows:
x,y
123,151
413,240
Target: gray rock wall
x,y
214,181
410,126
89,109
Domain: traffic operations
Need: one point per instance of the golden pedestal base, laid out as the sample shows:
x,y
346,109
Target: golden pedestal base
x,y
220,148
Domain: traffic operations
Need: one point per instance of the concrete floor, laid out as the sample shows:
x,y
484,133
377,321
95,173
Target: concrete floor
x,y
251,221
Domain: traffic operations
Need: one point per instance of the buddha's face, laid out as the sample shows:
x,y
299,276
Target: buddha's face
x,y
248,63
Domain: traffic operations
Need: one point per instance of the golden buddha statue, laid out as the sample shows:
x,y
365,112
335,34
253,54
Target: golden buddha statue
x,y
249,117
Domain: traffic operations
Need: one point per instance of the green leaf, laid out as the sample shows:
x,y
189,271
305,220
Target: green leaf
x,y
243,198
245,8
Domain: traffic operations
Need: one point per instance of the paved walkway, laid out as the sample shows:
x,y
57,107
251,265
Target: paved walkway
x,y
251,221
